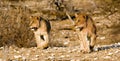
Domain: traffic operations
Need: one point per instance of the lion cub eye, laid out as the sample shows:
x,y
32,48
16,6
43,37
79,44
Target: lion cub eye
x,y
34,28
78,20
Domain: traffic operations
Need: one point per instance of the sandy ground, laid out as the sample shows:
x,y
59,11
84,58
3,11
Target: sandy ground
x,y
58,54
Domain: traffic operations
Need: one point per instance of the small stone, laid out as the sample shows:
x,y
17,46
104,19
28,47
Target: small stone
x,y
110,53
62,56
17,56
1,48
36,55
102,38
107,57
95,58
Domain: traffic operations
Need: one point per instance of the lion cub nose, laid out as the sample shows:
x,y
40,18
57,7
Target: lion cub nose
x,y
34,28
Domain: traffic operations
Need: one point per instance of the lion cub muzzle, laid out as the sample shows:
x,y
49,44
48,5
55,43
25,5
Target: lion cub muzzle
x,y
78,28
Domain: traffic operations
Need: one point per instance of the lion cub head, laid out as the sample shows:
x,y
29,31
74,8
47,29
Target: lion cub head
x,y
34,22
81,21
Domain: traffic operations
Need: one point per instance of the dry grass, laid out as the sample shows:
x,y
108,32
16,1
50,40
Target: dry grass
x,y
14,28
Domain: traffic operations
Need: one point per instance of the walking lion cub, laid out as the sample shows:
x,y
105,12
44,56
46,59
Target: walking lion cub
x,y
41,29
86,30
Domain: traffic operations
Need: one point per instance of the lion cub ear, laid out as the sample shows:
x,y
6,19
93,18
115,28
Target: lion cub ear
x,y
35,17
86,17
31,16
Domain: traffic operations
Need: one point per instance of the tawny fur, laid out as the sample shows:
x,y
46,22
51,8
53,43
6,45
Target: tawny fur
x,y
86,30
41,29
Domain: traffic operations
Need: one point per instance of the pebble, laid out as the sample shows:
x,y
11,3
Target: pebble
x,y
110,53
1,48
17,56
102,38
107,57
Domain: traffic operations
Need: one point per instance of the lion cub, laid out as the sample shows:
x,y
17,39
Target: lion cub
x,y
41,29
86,30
